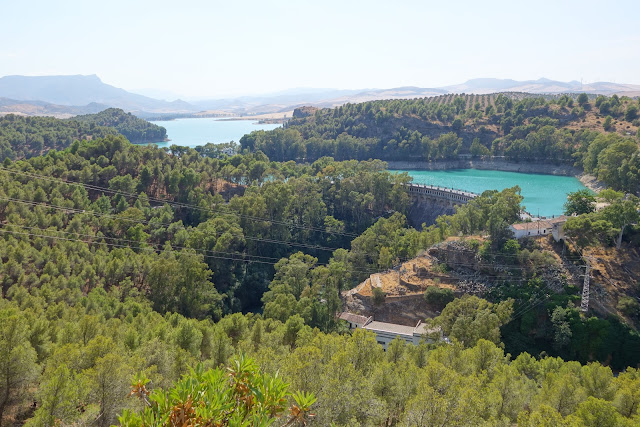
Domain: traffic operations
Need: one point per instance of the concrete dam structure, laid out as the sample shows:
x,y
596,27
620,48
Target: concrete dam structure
x,y
449,196
429,202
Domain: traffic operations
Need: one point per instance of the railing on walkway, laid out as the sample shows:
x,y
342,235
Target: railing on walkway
x,y
452,194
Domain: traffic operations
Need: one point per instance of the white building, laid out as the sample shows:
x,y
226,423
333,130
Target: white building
x,y
355,320
387,332
543,227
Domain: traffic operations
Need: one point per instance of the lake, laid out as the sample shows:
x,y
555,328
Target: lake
x,y
546,193
199,131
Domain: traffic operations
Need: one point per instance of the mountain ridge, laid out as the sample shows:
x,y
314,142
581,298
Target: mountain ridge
x,y
78,94
78,90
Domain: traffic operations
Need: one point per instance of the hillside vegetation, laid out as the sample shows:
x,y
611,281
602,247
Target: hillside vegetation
x,y
24,137
128,268
87,358
598,135
134,129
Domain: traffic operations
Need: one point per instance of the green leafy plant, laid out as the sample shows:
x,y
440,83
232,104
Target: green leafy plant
x,y
241,395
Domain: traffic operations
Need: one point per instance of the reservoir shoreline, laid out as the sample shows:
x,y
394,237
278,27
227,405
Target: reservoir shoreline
x,y
587,180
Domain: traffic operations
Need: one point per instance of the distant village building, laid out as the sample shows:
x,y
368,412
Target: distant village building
x,y
387,332
229,151
543,227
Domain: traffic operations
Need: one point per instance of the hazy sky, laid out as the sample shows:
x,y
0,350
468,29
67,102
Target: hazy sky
x,y
216,48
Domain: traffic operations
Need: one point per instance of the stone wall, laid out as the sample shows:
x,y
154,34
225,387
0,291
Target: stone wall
x,y
426,212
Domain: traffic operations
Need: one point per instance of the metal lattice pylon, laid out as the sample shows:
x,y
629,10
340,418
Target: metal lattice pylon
x,y
584,304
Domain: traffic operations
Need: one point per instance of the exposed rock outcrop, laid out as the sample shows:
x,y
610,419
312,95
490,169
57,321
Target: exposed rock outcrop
x,y
426,213
301,112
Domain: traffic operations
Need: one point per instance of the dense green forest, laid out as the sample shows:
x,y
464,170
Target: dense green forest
x,y
599,136
133,128
24,137
124,265
87,357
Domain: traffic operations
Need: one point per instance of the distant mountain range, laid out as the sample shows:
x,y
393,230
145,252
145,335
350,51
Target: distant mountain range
x,y
80,91
317,97
65,96
484,86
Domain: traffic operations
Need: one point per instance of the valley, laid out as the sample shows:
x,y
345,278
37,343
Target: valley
x,y
312,214
142,249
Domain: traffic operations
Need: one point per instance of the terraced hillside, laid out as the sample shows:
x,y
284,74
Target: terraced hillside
x,y
543,277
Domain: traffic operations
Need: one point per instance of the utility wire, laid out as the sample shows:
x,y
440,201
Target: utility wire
x,y
189,206
157,246
303,245
172,203
153,223
230,256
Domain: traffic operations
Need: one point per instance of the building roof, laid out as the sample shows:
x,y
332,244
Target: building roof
x,y
423,329
542,224
353,318
390,328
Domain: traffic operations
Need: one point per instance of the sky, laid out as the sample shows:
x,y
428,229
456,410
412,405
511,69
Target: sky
x,y
210,48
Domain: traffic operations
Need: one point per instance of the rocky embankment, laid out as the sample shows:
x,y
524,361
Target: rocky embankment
x,y
426,212
466,272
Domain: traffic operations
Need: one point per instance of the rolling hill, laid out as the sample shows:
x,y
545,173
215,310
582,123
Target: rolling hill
x,y
65,96
82,90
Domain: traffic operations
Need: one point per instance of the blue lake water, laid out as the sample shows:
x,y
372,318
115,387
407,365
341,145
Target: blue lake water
x,y
542,193
199,131
546,193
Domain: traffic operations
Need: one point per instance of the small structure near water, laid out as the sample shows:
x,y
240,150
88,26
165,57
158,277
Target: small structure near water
x,y
542,227
355,321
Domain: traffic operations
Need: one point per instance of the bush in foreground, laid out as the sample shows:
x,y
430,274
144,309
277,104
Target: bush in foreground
x,y
239,396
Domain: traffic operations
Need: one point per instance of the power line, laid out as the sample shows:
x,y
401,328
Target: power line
x,y
2,230
229,257
460,264
70,210
251,257
500,254
535,303
157,246
184,205
148,222
194,207
531,307
173,203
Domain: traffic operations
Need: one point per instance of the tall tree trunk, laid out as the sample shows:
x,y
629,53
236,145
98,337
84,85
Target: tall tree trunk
x,y
4,401
619,239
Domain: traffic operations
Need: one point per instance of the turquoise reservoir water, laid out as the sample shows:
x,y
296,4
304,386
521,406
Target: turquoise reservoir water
x,y
548,193
194,132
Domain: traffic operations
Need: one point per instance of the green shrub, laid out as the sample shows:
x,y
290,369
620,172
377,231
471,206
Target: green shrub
x,y
239,395
628,306
378,296
438,296
608,125
440,268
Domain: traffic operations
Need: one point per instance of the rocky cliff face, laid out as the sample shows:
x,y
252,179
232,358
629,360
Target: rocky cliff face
x,y
426,213
301,112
